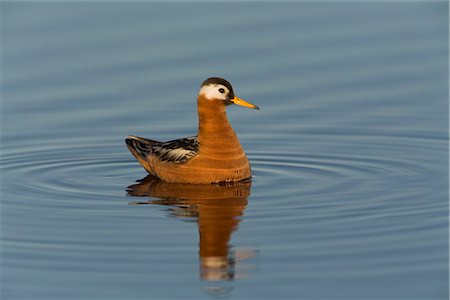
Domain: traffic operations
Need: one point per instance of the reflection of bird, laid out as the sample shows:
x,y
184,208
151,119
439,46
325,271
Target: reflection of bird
x,y
217,209
214,155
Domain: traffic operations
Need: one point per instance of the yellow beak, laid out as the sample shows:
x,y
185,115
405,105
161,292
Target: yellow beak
x,y
239,101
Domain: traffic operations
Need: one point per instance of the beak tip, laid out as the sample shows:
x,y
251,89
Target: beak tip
x,y
240,102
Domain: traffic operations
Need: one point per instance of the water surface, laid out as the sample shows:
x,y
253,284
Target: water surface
x,y
349,198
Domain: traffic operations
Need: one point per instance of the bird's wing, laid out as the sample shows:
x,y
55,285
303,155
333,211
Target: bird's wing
x,y
176,151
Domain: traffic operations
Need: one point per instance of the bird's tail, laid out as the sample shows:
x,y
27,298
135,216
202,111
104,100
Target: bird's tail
x,y
138,146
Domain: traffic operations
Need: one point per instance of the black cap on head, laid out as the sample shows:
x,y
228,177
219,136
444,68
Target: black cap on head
x,y
218,80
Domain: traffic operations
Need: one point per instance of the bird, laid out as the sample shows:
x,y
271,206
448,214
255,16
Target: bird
x,y
214,155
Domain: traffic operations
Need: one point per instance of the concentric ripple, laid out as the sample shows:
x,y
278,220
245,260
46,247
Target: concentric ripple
x,y
347,203
77,170
336,207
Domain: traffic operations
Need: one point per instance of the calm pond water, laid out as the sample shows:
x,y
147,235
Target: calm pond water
x,y
349,198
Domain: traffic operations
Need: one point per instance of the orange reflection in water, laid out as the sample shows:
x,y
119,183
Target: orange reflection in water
x,y
218,210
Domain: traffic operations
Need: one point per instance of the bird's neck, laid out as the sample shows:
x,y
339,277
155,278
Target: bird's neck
x,y
215,134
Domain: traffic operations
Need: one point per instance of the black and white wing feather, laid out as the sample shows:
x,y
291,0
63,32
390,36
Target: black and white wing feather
x,y
176,151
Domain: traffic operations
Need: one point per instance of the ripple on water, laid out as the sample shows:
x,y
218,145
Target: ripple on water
x,y
66,171
352,204
332,204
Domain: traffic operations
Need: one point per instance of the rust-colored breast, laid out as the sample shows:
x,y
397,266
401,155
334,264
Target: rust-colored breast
x,y
220,158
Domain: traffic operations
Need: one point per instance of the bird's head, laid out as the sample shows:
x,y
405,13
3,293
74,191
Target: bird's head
x,y
218,89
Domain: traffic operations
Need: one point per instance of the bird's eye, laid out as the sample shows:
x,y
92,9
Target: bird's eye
x,y
222,90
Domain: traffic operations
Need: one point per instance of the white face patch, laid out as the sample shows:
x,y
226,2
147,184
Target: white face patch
x,y
214,91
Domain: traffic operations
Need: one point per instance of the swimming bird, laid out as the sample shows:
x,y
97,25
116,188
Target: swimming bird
x,y
214,155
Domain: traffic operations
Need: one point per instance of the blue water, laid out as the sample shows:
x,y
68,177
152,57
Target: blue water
x,y
350,152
